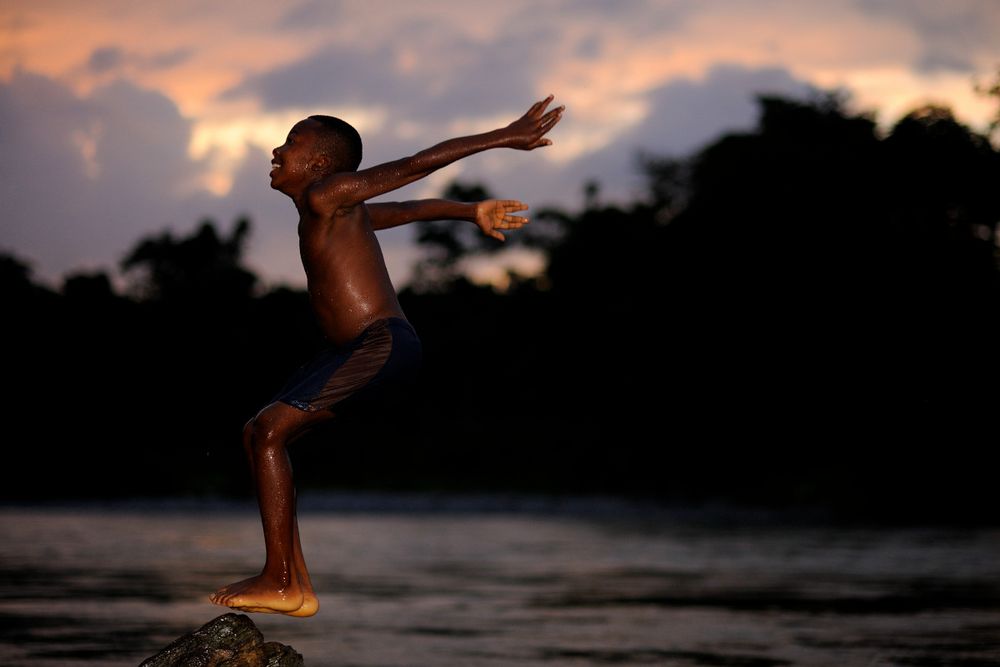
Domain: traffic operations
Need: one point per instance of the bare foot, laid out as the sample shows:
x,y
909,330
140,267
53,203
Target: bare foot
x,y
310,603
262,594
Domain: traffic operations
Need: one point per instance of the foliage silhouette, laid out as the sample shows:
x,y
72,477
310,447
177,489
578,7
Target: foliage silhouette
x,y
992,89
790,316
203,268
448,242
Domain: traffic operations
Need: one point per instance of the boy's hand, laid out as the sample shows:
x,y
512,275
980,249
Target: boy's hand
x,y
526,132
495,214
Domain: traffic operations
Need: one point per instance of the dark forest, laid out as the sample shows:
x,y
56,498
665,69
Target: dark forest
x,y
806,314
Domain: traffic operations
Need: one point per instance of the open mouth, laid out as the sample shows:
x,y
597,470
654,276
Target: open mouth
x,y
275,165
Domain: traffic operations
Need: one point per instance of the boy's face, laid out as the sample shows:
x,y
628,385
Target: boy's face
x,y
293,162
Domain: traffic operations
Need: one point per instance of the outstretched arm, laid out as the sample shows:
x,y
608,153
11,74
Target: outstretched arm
x,y
346,189
490,215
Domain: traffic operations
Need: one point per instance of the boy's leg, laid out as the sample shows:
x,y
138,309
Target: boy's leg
x,y
387,353
310,603
283,585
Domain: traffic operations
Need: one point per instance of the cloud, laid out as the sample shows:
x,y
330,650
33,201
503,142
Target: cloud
x,y
44,175
336,75
960,35
312,13
105,58
428,75
86,175
99,107
687,113
683,116
114,60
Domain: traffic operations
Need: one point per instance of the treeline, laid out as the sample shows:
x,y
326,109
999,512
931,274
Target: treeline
x,y
807,313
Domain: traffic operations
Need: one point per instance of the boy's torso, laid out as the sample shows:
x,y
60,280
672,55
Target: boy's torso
x,y
349,285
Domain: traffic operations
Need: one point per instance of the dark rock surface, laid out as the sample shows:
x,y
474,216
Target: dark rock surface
x,y
230,640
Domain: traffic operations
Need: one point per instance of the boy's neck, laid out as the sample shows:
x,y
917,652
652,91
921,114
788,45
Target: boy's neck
x,y
299,195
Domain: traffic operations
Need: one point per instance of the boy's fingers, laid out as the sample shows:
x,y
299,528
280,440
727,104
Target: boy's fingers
x,y
550,119
539,106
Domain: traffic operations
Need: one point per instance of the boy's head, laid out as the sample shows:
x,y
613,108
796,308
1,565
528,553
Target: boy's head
x,y
316,146
339,140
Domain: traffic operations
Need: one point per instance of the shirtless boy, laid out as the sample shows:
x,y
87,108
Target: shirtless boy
x,y
373,347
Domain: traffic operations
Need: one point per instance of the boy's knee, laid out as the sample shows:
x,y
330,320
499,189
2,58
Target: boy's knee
x,y
266,431
278,425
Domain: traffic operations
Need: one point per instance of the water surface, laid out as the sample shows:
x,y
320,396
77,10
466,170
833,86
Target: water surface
x,y
493,586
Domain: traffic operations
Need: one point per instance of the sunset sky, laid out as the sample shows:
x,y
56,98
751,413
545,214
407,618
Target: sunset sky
x,y
120,119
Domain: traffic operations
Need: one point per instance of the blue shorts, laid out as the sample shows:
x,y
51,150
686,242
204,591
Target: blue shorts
x,y
384,357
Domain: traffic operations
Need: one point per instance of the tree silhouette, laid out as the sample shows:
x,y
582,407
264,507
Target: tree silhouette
x,y
448,242
992,89
785,316
203,268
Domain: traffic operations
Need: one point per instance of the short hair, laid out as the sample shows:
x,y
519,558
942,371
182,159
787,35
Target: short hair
x,y
340,141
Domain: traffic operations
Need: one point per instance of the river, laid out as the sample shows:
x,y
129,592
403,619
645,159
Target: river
x,y
497,582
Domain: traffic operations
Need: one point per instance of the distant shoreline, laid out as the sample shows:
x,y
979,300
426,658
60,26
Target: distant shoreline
x,y
450,503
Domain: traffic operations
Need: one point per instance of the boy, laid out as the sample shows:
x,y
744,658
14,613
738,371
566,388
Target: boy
x,y
373,346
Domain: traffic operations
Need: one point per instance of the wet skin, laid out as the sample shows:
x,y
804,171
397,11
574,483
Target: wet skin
x,y
349,288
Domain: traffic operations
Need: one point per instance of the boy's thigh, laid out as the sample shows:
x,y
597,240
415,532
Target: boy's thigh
x,y
286,422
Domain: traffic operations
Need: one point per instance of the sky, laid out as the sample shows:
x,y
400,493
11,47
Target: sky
x,y
120,120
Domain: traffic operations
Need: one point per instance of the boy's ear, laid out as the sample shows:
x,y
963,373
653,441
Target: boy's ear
x,y
320,163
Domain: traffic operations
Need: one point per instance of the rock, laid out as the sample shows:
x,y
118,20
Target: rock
x,y
230,640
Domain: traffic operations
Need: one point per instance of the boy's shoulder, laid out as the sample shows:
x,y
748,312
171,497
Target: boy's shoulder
x,y
328,194
331,199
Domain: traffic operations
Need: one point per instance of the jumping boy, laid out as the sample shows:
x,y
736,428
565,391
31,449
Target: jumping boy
x,y
373,347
